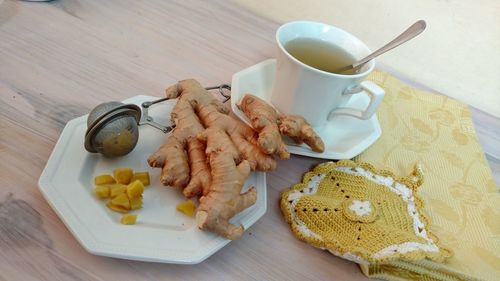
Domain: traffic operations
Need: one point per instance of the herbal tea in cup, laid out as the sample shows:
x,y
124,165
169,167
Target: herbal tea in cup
x,y
320,54
304,84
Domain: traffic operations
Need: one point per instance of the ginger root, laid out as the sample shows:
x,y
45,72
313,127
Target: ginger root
x,y
264,119
271,125
182,157
224,198
297,128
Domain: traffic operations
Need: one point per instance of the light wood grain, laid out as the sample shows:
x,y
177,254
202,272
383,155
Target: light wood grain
x,y
60,59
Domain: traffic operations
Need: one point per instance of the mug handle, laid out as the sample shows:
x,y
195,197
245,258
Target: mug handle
x,y
375,93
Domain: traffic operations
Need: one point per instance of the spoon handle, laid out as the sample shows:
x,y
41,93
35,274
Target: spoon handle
x,y
412,31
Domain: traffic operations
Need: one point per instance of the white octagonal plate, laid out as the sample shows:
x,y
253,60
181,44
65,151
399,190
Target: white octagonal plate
x,y
161,234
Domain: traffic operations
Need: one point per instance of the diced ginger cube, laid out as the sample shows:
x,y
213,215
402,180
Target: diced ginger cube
x,y
135,189
121,201
142,176
128,219
115,208
187,207
135,203
123,175
104,179
117,189
102,191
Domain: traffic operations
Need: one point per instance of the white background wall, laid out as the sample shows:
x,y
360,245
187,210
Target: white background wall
x,y
458,54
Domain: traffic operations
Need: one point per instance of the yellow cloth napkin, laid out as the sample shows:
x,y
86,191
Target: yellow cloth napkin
x,y
459,194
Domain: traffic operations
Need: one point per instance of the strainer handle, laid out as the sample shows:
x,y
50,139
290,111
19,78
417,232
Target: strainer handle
x,y
147,119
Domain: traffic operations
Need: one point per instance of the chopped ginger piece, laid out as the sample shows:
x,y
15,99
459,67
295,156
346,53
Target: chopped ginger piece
x,y
142,176
135,203
123,175
102,191
187,207
104,179
128,219
117,189
135,189
121,201
124,190
115,208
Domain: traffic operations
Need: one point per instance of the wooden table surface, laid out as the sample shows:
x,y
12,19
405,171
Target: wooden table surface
x,y
60,59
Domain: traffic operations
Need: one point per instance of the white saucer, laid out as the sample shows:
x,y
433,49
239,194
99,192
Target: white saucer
x,y
344,137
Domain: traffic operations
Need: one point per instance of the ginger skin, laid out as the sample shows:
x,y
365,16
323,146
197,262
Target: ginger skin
x,y
264,119
224,198
271,125
173,158
182,157
297,128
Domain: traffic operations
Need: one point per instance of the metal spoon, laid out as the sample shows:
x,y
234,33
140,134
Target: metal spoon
x,y
412,31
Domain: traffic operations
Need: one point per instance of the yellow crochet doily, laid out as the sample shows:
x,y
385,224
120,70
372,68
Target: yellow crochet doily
x,y
361,214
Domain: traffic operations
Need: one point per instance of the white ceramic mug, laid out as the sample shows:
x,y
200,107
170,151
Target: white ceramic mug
x,y
315,94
